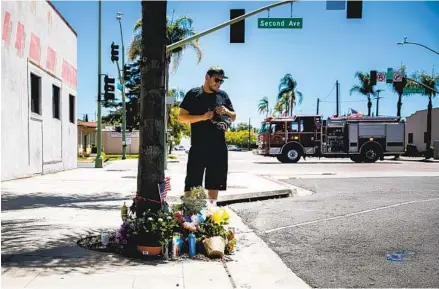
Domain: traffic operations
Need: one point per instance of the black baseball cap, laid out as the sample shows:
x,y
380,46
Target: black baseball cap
x,y
216,71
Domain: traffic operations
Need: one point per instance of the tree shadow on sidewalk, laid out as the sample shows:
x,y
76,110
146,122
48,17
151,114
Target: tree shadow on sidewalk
x,y
12,201
56,255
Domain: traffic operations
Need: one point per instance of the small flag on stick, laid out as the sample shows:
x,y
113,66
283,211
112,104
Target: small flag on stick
x,y
164,188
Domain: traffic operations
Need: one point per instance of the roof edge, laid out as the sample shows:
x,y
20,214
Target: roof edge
x,y
62,17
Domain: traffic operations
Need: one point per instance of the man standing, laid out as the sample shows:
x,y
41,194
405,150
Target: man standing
x,y
210,112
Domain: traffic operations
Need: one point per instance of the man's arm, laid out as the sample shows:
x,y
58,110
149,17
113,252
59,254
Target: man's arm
x,y
230,111
186,106
185,117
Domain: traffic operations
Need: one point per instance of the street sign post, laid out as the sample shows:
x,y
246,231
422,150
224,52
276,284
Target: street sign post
x,y
276,23
413,90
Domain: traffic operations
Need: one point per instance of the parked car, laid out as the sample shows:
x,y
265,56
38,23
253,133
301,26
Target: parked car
x,y
179,148
234,148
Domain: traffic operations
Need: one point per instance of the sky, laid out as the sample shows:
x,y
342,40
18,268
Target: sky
x,y
330,47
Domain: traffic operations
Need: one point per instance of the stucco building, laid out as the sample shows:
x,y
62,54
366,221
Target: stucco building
x,y
416,128
38,91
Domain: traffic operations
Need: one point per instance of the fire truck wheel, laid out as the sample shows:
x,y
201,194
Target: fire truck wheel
x,y
356,158
291,154
371,153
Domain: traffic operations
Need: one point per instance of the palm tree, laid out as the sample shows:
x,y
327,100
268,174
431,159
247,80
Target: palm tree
x,y
263,106
176,30
151,125
398,88
430,82
288,93
279,107
365,88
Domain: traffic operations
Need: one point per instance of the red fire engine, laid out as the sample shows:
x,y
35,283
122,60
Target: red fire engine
x,y
362,139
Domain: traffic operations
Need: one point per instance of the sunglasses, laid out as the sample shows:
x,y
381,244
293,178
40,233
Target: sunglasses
x,y
217,80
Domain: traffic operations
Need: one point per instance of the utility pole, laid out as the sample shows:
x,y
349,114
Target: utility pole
x,y
122,82
318,104
98,160
378,100
337,96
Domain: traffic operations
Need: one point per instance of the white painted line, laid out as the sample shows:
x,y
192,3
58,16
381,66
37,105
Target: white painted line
x,y
349,215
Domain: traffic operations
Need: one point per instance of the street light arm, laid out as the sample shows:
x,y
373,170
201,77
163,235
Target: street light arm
x,y
422,45
181,43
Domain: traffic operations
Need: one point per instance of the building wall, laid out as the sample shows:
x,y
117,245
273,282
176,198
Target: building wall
x,y
35,39
112,142
417,124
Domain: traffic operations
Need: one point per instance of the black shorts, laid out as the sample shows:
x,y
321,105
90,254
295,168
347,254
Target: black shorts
x,y
213,159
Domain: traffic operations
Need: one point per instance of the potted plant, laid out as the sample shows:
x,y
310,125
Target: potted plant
x,y
153,231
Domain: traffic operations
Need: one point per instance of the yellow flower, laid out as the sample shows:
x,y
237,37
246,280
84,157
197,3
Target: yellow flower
x,y
225,215
217,216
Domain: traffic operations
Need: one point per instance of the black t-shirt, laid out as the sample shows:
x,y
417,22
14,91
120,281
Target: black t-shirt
x,y
198,102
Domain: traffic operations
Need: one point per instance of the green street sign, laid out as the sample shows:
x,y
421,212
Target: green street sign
x,y
389,75
286,23
413,90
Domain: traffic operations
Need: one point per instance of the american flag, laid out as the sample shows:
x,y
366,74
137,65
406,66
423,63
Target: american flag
x,y
355,113
164,188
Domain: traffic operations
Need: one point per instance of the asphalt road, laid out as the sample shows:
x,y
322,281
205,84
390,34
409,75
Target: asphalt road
x,y
342,235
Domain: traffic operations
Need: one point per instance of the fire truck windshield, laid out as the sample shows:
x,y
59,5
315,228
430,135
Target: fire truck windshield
x,y
264,128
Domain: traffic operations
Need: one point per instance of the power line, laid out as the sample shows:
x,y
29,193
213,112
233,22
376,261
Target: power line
x,y
331,101
328,93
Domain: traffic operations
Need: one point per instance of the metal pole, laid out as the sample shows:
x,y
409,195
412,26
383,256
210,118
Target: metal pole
x,y
98,160
249,133
183,42
122,82
336,98
318,104
418,44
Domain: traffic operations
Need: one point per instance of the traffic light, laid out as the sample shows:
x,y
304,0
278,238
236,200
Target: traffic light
x,y
127,72
237,30
373,77
114,52
108,88
354,9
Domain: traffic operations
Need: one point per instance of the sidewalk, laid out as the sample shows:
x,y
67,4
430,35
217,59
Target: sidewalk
x,y
44,216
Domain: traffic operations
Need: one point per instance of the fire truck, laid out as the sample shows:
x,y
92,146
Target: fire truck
x,y
362,139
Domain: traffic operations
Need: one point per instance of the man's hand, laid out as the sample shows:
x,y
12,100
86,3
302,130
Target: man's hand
x,y
222,110
208,115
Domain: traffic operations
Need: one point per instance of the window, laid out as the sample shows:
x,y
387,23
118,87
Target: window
x,y
72,108
35,93
410,140
293,126
55,102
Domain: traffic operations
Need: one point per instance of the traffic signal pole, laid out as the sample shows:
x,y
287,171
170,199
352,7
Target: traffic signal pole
x,y
183,42
122,82
98,160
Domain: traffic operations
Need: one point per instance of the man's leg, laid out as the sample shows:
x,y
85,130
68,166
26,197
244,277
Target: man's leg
x,y
194,170
216,172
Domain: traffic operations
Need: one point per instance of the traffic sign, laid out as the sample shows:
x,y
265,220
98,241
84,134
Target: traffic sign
x,y
389,75
397,76
288,23
120,87
413,90
381,76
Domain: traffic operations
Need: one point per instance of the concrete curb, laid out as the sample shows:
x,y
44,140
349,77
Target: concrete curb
x,y
255,264
296,191
254,195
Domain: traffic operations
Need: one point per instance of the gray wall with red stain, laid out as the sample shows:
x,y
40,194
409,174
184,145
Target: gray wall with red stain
x,y
36,39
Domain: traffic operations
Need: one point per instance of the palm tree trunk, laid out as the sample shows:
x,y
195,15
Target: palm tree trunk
x,y
152,100
399,105
369,106
428,144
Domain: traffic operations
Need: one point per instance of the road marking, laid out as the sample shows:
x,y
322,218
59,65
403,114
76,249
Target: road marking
x,y
349,215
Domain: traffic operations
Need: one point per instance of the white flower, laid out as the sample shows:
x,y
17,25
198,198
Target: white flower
x,y
160,220
168,217
150,219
